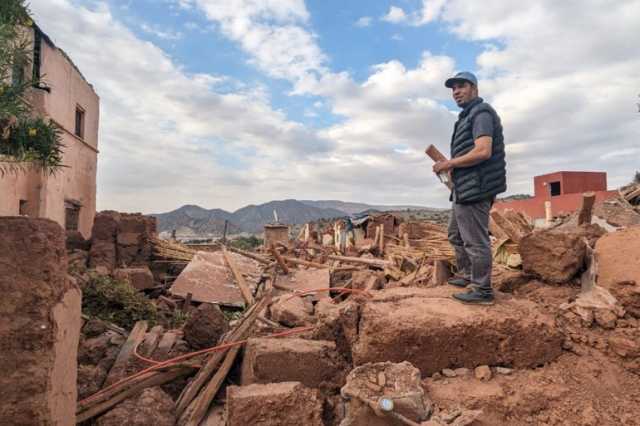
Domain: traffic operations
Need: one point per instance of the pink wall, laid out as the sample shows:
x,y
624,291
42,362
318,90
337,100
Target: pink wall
x,y
570,182
46,195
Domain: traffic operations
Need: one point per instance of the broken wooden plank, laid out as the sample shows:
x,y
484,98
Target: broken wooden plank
x,y
191,391
586,209
279,259
119,368
250,255
379,263
381,240
107,324
201,405
110,399
244,288
150,342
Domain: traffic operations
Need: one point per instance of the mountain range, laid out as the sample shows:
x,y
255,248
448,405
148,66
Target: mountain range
x,y
197,221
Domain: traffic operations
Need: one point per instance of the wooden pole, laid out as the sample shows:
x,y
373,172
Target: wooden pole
x,y
224,233
279,259
250,255
244,288
586,210
358,260
381,240
441,272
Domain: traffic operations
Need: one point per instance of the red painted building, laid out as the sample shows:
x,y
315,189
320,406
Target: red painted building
x,y
563,189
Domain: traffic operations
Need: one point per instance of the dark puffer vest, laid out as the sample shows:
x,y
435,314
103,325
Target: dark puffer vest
x,y
488,178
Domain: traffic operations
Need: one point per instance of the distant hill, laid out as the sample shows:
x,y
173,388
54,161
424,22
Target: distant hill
x,y
352,208
197,221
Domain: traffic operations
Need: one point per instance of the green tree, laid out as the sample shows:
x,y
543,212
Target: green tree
x,y
25,139
636,178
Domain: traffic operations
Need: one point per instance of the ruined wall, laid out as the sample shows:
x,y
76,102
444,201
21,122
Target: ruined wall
x,y
39,325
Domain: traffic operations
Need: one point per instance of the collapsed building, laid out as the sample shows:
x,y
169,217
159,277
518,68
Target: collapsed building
x,y
301,332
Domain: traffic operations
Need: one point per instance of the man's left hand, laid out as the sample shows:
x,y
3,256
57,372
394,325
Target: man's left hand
x,y
442,166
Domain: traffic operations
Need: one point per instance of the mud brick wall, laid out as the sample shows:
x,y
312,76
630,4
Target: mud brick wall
x,y
121,240
39,325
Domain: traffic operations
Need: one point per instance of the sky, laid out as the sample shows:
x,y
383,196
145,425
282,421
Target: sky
x,y
225,103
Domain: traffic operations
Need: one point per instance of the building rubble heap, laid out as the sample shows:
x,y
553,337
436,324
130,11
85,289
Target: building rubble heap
x,y
342,326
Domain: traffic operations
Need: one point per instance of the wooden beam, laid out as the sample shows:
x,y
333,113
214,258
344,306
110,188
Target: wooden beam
x,y
381,240
358,260
127,390
244,288
279,259
119,367
198,412
191,391
586,209
250,255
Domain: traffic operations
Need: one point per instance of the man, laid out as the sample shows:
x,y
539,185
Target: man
x,y
478,172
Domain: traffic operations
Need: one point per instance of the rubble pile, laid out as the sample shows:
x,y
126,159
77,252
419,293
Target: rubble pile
x,y
361,329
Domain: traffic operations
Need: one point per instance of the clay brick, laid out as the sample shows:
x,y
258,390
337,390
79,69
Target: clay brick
x,y
432,331
39,325
140,278
282,404
314,363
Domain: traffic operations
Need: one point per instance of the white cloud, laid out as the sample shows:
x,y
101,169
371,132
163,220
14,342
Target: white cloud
x,y
364,21
397,37
168,137
162,34
273,32
395,15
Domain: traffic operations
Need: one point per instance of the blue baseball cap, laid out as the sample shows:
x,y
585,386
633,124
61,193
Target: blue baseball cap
x,y
461,76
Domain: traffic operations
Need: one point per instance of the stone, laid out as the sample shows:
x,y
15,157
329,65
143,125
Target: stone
x,y
447,372
624,346
291,310
39,324
483,372
554,256
513,332
314,363
504,370
618,269
140,278
205,326
151,407
606,319
283,404
461,372
402,384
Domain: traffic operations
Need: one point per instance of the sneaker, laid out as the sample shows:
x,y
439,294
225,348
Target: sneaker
x,y
474,298
458,282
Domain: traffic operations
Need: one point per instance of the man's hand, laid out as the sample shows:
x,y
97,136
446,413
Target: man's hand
x,y
442,166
